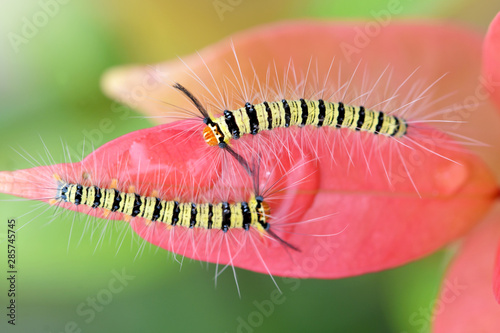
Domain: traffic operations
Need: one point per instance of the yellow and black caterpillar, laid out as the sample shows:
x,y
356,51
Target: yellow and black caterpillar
x,y
223,215
255,118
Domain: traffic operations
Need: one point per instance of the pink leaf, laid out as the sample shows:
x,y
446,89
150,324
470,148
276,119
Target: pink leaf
x,y
491,60
385,225
496,277
466,302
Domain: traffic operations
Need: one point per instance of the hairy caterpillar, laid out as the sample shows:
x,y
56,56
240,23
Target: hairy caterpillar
x,y
224,215
315,113
252,119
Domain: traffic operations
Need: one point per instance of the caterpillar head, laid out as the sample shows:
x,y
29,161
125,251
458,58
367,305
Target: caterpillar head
x,y
209,136
263,214
62,188
213,135
262,209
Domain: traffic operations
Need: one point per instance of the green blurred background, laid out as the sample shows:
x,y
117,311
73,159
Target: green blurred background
x,y
49,90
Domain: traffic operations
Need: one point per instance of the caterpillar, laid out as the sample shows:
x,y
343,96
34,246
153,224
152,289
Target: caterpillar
x,y
222,215
241,113
253,119
311,122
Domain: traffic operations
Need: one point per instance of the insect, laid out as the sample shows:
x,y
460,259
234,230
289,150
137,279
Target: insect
x,y
252,119
344,120
223,215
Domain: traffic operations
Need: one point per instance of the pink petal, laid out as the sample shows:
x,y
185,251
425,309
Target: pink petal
x,y
491,60
377,225
434,50
496,277
466,302
431,50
